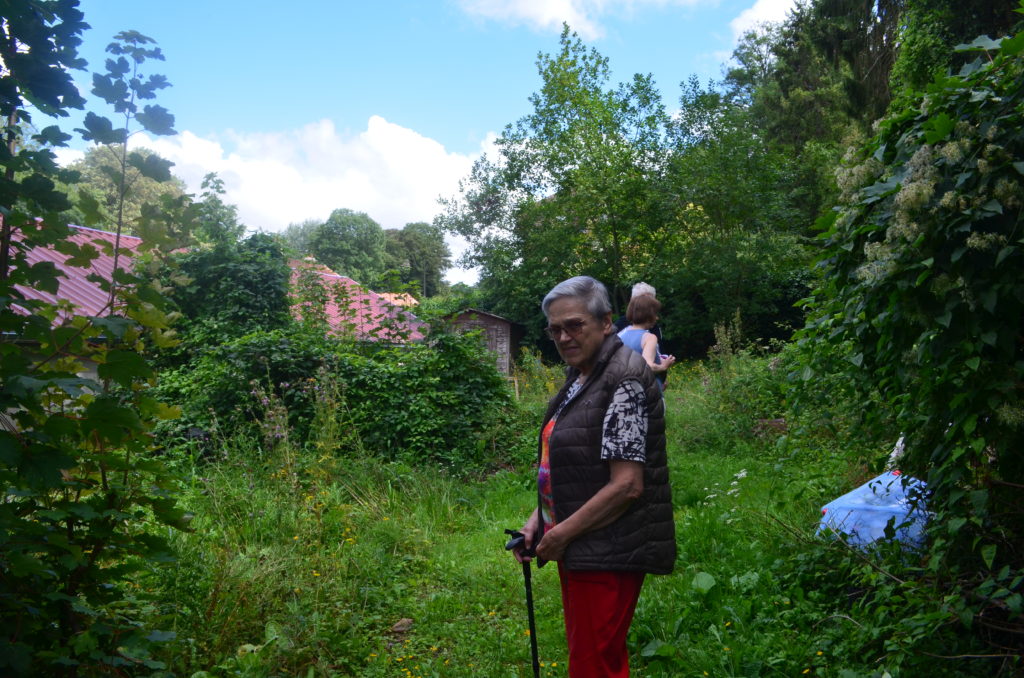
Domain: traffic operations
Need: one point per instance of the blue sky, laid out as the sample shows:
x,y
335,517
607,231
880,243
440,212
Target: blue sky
x,y
312,105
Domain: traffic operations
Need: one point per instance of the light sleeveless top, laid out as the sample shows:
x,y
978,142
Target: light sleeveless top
x,y
634,339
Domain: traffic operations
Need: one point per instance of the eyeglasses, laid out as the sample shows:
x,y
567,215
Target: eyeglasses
x,y
571,327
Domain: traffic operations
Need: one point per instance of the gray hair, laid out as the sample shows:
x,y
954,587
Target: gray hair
x,y
642,288
590,290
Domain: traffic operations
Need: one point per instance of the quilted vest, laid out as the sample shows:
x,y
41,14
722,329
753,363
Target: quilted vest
x,y
643,538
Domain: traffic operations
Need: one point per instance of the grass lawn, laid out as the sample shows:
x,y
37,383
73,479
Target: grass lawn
x,y
346,566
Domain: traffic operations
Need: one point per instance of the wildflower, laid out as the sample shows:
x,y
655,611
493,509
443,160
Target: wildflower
x,y
819,653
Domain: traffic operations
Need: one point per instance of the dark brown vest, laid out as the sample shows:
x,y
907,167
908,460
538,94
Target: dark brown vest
x,y
643,538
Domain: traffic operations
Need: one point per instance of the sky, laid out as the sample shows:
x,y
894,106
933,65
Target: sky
x,y
381,107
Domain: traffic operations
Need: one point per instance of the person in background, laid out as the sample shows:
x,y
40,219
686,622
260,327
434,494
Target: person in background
x,y
639,289
642,314
604,505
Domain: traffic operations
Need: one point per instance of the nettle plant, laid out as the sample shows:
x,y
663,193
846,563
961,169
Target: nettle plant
x,y
923,286
82,493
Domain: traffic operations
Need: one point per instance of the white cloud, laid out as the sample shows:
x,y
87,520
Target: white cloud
x,y
762,12
392,173
583,16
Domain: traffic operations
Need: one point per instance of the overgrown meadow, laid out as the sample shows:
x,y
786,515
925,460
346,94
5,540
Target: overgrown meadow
x,y
324,559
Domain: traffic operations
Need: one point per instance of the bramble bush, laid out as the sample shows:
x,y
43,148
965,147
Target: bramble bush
x,y
921,290
442,401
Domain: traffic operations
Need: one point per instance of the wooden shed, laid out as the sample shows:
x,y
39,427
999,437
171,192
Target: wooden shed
x,y
502,335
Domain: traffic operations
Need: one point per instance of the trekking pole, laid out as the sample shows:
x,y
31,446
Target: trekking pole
x,y
516,541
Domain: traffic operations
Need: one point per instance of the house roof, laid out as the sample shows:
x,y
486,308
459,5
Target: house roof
x,y
87,296
368,316
399,298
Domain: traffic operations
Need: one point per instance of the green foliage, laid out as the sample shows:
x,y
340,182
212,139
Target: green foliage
x,y
930,30
217,221
922,283
351,244
297,237
442,401
599,180
420,255
227,291
100,181
570,191
82,495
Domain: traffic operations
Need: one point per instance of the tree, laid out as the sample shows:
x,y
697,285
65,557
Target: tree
x,y
82,489
420,255
297,237
351,244
930,29
217,222
755,62
570,189
100,177
230,289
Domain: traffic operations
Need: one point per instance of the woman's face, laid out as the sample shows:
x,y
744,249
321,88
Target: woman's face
x,y
577,343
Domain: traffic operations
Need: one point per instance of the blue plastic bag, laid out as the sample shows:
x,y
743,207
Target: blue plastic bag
x,y
862,514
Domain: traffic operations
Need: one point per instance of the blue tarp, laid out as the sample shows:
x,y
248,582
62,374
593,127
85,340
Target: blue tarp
x,y
863,513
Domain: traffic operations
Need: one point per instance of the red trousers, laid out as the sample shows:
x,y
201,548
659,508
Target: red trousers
x,y
598,608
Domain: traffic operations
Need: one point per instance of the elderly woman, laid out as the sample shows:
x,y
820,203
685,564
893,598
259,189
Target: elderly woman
x,y
604,503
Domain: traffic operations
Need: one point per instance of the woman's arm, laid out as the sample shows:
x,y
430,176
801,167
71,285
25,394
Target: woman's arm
x,y
649,344
625,485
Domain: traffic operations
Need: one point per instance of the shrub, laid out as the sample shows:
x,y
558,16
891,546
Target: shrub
x,y
441,401
922,286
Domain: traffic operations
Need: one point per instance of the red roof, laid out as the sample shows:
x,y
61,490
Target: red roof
x,y
369,316
87,296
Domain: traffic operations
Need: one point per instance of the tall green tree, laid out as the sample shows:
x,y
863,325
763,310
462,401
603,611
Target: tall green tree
x,y
351,244
297,236
570,189
216,221
100,177
83,495
420,255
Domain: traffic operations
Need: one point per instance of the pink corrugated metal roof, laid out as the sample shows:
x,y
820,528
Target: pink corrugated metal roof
x,y
369,315
87,297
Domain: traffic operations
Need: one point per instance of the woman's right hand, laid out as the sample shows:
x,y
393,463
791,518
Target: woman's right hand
x,y
530,531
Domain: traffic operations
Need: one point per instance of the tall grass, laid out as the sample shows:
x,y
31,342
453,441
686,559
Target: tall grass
x,y
315,564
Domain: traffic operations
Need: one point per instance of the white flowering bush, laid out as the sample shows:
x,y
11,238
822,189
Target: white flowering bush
x,y
923,287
